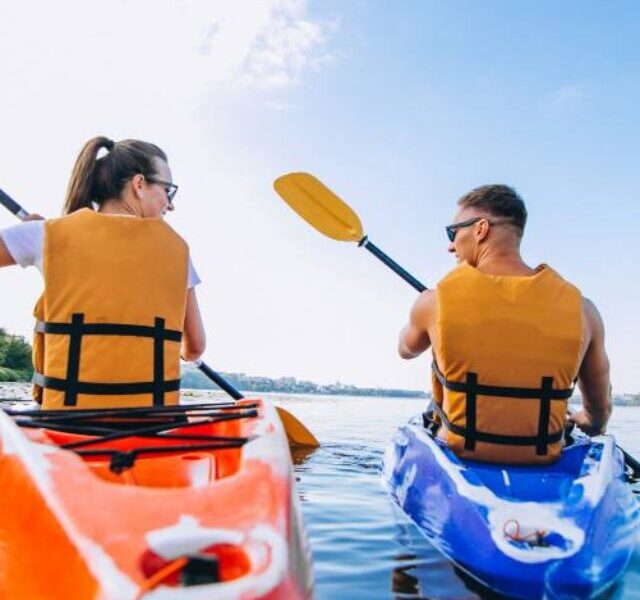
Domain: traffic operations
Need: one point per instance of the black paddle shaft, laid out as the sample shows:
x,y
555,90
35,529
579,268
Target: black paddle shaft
x,y
12,205
220,381
631,462
392,264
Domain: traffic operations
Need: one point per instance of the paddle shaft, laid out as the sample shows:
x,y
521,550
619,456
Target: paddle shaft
x,y
9,203
220,381
392,264
631,462
296,431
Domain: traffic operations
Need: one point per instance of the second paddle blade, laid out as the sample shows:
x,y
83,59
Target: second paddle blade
x,y
297,433
319,206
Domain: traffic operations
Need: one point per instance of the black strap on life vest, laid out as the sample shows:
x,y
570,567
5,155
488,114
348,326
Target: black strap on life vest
x,y
545,394
77,329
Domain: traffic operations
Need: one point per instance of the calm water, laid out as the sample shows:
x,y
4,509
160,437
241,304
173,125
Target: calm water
x,y
363,548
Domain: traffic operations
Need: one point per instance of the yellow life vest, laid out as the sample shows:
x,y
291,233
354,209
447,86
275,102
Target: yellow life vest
x,y
508,353
110,320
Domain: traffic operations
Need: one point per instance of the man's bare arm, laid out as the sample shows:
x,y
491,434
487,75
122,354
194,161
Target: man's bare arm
x,y
593,377
414,338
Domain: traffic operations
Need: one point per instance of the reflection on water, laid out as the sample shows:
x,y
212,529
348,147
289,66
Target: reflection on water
x,y
363,546
300,455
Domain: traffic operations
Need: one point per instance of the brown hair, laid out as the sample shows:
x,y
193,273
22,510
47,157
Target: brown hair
x,y
96,179
498,201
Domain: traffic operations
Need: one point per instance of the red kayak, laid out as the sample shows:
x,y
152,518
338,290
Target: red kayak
x,y
173,503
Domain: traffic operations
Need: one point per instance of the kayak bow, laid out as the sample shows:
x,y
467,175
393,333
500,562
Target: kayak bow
x,y
175,503
565,530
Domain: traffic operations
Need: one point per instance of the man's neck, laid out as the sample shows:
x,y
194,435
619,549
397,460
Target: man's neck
x,y
503,261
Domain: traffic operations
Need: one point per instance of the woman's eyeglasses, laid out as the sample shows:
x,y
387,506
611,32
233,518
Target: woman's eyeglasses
x,y
170,188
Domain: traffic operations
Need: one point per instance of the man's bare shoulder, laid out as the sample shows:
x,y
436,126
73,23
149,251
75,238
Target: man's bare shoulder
x,y
592,317
425,307
414,338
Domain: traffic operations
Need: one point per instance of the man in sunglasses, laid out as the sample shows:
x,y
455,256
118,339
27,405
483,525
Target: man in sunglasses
x,y
508,341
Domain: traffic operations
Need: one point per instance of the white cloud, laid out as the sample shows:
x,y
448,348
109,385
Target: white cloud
x,y
93,49
279,106
565,97
280,55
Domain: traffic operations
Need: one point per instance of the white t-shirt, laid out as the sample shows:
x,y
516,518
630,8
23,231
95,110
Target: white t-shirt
x,y
25,243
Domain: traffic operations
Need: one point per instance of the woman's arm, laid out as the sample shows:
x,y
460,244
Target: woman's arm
x,y
25,242
194,340
5,257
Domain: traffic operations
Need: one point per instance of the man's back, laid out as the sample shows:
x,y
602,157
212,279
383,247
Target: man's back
x,y
486,234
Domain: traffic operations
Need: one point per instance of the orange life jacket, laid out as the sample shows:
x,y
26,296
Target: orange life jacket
x,y
508,351
110,320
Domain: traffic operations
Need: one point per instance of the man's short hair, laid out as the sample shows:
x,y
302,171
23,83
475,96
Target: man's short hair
x,y
498,201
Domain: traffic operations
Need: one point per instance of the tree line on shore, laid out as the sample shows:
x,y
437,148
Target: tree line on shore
x,y
192,378
15,358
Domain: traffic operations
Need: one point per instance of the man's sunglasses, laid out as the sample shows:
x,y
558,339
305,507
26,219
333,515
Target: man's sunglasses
x,y
453,229
170,188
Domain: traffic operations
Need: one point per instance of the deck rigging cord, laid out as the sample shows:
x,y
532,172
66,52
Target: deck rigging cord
x,y
109,431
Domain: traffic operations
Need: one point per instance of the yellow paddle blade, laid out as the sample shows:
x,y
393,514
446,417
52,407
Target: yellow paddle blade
x,y
319,206
297,433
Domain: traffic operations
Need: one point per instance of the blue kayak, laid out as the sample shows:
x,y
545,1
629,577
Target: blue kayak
x,y
565,530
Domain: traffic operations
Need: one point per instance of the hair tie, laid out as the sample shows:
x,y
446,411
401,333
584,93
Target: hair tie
x,y
109,144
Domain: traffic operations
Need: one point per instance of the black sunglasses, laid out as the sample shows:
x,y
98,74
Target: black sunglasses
x,y
170,188
453,229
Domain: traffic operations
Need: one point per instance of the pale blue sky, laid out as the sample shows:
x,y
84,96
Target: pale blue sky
x,y
400,107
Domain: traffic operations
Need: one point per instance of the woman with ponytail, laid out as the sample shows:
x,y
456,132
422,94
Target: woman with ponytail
x,y
119,306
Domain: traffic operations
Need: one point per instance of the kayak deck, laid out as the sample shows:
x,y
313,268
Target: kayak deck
x,y
192,505
561,530
531,483
192,455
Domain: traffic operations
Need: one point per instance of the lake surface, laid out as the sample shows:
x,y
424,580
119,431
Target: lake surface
x,y
363,547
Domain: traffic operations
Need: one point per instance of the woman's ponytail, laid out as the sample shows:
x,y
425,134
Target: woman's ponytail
x,y
80,192
95,180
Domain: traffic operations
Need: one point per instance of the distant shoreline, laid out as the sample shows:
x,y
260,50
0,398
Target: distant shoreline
x,y
192,378
21,390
